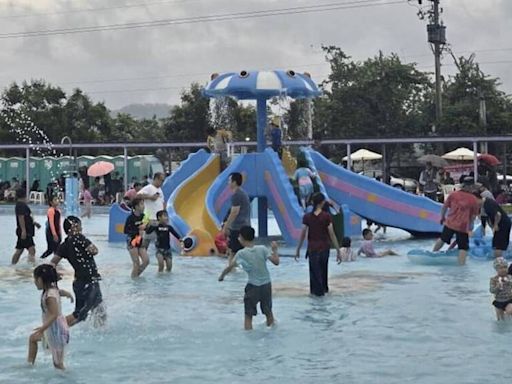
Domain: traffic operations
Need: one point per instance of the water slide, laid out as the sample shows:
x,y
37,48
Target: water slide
x,y
186,204
377,201
264,176
118,215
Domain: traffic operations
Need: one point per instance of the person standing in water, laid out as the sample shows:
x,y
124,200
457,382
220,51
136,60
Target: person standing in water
x,y
80,252
25,228
54,331
239,214
320,233
462,208
53,230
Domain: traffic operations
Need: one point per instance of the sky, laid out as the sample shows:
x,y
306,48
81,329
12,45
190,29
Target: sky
x,y
155,64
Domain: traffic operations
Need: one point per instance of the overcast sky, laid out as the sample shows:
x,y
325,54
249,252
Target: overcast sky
x,y
154,64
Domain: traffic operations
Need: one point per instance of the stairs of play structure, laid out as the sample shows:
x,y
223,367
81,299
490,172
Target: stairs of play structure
x,y
289,162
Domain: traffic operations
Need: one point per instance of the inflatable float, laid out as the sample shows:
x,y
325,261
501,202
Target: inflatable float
x,y
425,257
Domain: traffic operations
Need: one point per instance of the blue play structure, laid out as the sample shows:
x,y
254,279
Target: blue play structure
x,y
198,196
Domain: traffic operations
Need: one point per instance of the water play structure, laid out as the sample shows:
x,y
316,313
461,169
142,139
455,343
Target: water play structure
x,y
198,195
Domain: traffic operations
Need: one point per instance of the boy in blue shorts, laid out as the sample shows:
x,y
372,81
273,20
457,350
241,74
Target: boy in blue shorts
x,y
253,259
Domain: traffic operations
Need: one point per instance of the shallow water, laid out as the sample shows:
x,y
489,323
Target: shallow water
x,y
385,321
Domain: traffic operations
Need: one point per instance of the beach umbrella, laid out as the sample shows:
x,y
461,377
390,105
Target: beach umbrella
x,y
437,161
461,154
489,159
362,155
100,168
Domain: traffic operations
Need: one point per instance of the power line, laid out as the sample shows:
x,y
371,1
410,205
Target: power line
x,y
100,9
204,19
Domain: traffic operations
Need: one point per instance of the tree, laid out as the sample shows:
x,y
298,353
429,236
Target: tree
x,y
380,97
189,121
461,102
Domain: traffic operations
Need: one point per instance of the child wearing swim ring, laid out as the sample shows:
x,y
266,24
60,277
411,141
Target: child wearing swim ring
x,y
54,332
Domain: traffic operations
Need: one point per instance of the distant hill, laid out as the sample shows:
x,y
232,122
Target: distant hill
x,y
144,111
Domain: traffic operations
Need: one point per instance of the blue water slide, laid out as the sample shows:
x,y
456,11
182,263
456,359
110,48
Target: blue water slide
x,y
191,164
377,201
351,221
264,176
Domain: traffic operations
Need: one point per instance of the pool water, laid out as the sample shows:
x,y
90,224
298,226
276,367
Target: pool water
x,y
385,321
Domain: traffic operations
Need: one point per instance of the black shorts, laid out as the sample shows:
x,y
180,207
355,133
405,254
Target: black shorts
x,y
461,238
87,297
255,294
501,238
501,304
233,242
165,253
25,244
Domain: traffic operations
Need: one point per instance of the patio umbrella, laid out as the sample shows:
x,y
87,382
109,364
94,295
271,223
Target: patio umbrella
x,y
489,159
461,154
101,168
363,154
437,161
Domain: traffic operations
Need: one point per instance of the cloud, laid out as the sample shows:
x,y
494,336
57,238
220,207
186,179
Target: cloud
x,y
157,63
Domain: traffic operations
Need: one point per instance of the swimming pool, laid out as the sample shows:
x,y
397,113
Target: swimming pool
x,y
386,321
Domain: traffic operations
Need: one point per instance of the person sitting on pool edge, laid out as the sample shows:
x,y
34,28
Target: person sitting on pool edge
x,y
501,287
367,246
253,259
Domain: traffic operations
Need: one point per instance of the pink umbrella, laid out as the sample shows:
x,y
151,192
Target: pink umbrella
x,y
101,168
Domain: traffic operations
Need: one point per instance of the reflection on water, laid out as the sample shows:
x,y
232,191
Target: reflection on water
x,y
384,321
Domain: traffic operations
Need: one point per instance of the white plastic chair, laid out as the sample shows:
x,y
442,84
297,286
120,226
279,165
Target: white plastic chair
x,y
36,197
447,189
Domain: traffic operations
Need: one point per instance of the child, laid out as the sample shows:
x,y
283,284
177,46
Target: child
x,y
253,259
347,254
367,246
303,176
134,229
221,242
501,288
163,240
53,231
54,331
25,228
80,252
87,204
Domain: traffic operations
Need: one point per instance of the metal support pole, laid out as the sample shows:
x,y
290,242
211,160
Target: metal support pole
x,y
27,172
349,157
437,56
475,160
125,160
261,123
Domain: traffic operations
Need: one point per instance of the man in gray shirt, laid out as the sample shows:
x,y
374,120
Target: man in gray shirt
x,y
239,214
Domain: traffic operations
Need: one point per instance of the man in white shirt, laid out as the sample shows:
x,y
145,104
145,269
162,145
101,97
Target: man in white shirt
x,y
153,202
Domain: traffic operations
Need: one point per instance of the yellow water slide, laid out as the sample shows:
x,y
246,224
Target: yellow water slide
x,y
190,205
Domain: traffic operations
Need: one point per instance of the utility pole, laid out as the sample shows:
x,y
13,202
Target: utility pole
x,y
437,37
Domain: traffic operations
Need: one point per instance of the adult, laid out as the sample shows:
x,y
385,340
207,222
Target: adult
x,y
25,228
153,203
463,208
484,193
320,232
239,213
498,221
429,181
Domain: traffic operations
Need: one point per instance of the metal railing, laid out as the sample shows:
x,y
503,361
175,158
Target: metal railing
x,y
473,140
